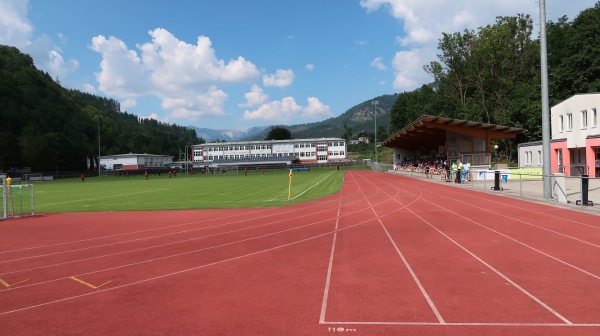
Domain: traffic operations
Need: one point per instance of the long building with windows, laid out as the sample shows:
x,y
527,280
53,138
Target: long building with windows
x,y
321,150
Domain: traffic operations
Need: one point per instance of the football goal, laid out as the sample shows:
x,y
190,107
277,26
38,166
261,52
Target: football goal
x,y
33,177
15,200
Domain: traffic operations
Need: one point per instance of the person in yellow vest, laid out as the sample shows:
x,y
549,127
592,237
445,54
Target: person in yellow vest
x,y
459,172
9,181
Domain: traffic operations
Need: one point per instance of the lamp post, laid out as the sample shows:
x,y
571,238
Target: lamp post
x,y
374,103
98,117
496,154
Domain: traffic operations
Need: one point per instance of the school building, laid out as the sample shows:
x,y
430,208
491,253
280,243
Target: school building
x,y
321,150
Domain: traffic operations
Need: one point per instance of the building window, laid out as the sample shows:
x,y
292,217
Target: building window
x,y
539,158
594,118
569,121
584,121
561,124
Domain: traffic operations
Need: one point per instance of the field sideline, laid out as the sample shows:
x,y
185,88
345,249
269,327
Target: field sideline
x,y
231,190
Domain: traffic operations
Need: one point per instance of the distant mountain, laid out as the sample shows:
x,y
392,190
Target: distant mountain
x,y
360,118
210,135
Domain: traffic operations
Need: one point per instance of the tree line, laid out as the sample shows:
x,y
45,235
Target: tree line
x,y
49,128
492,74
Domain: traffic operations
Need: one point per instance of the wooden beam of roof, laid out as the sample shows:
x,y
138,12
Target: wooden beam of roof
x,y
428,130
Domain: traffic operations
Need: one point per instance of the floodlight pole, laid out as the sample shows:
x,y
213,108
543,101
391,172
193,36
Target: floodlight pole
x,y
185,157
374,103
546,171
98,117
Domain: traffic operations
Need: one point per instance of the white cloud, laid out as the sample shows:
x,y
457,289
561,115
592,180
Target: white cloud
x,y
57,65
281,78
184,76
196,106
316,109
287,109
378,64
309,67
406,68
255,97
122,73
89,88
127,103
424,21
16,30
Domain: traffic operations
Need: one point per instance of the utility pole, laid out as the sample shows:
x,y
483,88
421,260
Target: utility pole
x,y
374,103
98,117
546,171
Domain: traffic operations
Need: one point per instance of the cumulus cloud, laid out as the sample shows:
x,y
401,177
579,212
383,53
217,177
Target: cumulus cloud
x,y
127,103
255,97
16,30
89,88
287,109
186,77
378,64
281,78
424,21
406,66
309,67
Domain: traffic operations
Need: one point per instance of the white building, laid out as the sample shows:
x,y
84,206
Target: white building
x,y
575,141
321,150
133,161
530,155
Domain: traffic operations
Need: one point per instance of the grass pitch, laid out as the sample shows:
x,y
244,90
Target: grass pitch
x,y
231,190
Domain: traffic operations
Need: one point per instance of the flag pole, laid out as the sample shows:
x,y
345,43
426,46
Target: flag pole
x,y
290,185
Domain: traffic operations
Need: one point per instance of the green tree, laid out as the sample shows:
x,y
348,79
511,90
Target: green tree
x,y
347,132
279,133
578,46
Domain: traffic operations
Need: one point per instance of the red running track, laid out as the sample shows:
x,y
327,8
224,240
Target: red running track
x,y
387,255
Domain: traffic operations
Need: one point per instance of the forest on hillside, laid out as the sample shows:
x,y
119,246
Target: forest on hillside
x,y
492,74
49,128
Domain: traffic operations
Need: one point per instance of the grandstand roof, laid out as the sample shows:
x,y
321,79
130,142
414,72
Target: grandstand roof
x,y
430,132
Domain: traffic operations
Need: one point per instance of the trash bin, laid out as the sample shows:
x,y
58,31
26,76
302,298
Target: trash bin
x,y
496,180
585,182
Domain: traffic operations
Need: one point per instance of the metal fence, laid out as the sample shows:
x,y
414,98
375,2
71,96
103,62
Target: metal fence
x,y
568,190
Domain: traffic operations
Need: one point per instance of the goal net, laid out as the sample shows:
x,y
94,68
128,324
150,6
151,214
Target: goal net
x,y
16,200
34,177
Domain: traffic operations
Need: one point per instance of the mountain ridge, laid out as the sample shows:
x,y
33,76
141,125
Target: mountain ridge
x,y
359,118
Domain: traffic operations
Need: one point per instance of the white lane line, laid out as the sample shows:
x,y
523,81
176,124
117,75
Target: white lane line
x,y
330,266
506,278
467,324
406,264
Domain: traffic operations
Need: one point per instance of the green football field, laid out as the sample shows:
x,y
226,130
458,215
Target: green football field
x,y
231,190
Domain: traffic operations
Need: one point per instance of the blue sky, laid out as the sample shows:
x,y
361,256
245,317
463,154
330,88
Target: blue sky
x,y
235,64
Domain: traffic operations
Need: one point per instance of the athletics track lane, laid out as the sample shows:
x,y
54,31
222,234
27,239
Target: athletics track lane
x,y
398,263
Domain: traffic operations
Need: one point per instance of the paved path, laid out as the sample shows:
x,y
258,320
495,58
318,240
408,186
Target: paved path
x,y
531,189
